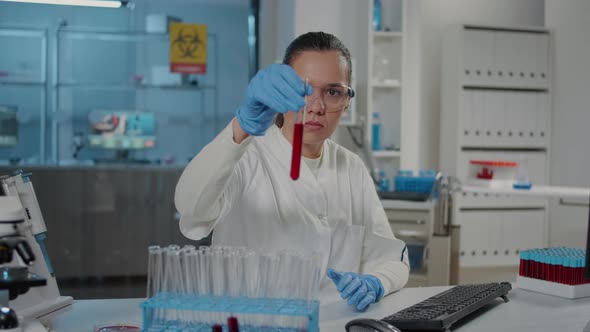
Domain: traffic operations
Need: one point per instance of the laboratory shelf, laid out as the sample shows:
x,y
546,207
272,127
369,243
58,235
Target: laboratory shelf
x,y
535,191
24,83
505,87
387,34
99,86
387,154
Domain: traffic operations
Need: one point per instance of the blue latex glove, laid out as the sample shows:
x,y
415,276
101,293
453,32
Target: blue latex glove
x,y
360,290
276,88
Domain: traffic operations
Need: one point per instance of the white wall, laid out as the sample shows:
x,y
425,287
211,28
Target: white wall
x,y
569,21
436,15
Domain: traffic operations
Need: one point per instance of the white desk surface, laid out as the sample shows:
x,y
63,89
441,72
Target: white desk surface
x,y
526,311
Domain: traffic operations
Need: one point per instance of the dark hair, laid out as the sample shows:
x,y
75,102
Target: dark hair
x,y
315,41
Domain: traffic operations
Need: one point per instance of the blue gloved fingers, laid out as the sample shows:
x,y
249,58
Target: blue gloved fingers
x,y
273,97
255,125
366,301
344,281
352,287
334,275
293,102
374,284
358,295
292,79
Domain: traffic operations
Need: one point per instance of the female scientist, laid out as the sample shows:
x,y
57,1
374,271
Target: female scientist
x,y
239,183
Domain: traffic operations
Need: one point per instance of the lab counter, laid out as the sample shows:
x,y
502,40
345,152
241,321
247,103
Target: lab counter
x,y
526,311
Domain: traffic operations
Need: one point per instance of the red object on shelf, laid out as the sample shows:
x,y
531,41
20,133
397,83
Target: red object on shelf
x,y
485,174
494,163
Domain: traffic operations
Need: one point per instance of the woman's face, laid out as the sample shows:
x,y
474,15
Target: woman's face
x,y
322,69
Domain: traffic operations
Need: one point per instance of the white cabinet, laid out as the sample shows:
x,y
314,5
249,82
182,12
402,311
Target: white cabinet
x,y
496,101
413,222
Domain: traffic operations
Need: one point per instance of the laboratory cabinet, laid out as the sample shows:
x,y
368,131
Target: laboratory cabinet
x,y
24,91
138,81
56,87
496,107
101,220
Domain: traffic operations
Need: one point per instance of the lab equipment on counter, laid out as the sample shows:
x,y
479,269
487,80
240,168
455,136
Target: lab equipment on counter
x,y
382,180
8,125
554,271
492,173
23,231
121,130
441,311
522,180
191,289
405,181
376,132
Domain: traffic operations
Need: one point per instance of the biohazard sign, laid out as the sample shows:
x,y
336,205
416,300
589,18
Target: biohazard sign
x,y
188,48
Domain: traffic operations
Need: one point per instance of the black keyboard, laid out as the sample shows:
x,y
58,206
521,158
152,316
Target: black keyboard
x,y
440,311
404,196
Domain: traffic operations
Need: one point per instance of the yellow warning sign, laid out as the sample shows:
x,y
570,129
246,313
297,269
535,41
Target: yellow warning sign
x,y
188,48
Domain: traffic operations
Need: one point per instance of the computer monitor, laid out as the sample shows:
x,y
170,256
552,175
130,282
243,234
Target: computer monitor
x,y
588,246
121,130
8,126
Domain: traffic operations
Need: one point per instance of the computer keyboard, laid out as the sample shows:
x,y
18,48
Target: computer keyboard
x,y
440,311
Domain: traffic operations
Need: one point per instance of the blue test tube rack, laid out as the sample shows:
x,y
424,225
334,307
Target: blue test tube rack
x,y
228,305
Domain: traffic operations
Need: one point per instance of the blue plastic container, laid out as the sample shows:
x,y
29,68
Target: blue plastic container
x,y
376,132
416,255
376,15
418,184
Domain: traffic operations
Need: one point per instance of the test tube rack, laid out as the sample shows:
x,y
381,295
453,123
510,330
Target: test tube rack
x,y
554,271
156,319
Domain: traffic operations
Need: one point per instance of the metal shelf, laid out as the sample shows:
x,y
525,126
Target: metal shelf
x,y
387,154
106,86
387,34
5,83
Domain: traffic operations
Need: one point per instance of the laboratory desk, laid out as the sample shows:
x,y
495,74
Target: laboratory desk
x,y
526,311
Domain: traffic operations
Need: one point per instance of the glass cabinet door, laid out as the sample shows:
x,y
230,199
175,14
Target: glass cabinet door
x,y
23,95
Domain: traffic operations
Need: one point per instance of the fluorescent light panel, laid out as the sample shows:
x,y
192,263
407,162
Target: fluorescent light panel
x,y
86,3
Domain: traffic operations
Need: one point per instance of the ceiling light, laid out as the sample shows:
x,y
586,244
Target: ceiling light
x,y
86,3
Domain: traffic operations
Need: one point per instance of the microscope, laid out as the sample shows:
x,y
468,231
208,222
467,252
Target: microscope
x,y
29,295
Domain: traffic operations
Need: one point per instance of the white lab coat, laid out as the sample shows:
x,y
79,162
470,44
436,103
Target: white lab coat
x,y
245,192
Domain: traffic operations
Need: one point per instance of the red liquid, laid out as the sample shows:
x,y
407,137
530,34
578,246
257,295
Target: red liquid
x,y
217,328
296,157
232,324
